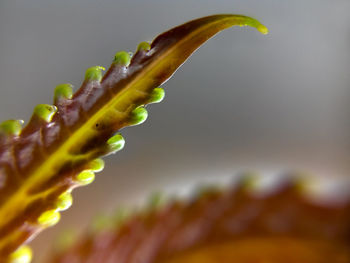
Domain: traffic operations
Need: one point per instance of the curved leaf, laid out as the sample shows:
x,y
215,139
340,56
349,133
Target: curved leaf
x,y
57,150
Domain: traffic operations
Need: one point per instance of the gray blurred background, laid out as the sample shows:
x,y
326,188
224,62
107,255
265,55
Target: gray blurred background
x,y
244,100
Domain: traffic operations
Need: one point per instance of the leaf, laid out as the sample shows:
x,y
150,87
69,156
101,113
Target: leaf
x,y
57,150
283,219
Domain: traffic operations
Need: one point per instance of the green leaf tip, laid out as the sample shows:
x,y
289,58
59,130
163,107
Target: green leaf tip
x,y
138,116
116,143
23,254
11,127
64,201
241,20
122,58
94,73
49,218
146,46
85,177
157,95
45,111
64,91
262,29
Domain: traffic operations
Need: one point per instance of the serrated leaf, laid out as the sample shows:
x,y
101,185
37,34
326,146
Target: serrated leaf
x,y
46,158
225,217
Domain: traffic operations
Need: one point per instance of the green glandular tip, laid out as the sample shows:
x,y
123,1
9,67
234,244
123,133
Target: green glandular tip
x,y
138,116
45,111
11,127
94,73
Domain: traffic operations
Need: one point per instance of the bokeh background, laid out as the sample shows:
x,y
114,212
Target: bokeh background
x,y
243,101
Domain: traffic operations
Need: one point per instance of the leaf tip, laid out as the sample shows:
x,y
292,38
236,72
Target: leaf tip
x,y
262,29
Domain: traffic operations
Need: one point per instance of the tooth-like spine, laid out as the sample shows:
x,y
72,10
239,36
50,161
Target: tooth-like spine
x,y
156,96
122,58
96,165
144,46
49,218
23,254
63,91
138,116
45,111
64,201
156,201
94,73
247,180
207,190
85,177
116,143
11,127
121,215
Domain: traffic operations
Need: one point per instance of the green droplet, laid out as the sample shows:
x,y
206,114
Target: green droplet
x,y
45,111
64,201
85,177
122,58
116,143
94,73
157,95
64,91
11,127
144,46
138,116
49,218
96,165
23,254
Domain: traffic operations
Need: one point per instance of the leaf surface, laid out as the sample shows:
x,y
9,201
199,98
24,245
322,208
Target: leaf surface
x,y
57,150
